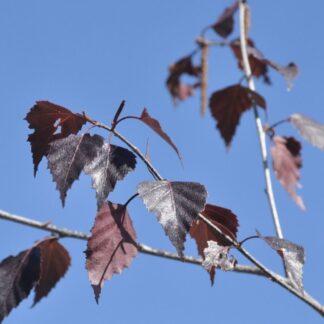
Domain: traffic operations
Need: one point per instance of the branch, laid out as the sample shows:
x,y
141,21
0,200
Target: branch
x,y
258,269
282,281
260,130
64,232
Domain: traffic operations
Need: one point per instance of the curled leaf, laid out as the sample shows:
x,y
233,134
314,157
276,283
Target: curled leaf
x,y
216,256
311,130
176,204
178,89
156,127
225,23
112,245
227,106
286,160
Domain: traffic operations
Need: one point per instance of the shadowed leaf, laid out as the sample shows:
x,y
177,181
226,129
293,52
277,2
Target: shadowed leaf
x,y
227,106
292,254
18,275
155,125
112,245
50,122
103,162
311,130
54,263
225,23
111,164
286,164
224,219
176,204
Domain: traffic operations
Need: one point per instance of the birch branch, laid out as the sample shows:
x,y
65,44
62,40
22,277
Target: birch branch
x,y
260,130
64,232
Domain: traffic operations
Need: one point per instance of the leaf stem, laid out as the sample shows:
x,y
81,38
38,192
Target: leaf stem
x,y
130,199
248,238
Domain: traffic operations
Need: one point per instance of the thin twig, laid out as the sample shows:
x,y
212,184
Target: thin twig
x,y
64,232
204,75
260,130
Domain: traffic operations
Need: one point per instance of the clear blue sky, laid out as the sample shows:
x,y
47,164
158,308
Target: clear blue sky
x,y
89,55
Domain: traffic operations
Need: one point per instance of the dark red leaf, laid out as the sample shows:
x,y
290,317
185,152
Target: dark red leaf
x,y
227,106
55,261
112,245
50,122
177,205
225,23
105,163
18,275
224,219
258,66
155,125
286,164
178,89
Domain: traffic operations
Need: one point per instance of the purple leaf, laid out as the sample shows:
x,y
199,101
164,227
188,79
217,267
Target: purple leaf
x,y
105,163
156,127
112,245
55,261
286,164
177,205
225,23
18,275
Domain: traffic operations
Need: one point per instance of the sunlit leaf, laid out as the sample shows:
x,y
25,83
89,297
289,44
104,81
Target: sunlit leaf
x,y
292,254
311,130
216,256
105,163
286,164
201,232
176,204
112,245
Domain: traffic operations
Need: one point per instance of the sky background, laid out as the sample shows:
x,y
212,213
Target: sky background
x,y
90,55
